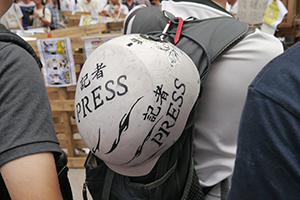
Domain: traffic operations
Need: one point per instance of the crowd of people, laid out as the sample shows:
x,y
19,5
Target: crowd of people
x,y
47,13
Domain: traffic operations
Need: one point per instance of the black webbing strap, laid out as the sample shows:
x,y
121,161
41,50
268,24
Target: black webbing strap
x,y
129,17
224,189
107,185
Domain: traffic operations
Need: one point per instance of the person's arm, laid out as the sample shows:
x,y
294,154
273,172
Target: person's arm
x,y
45,19
32,177
105,11
46,22
267,164
26,128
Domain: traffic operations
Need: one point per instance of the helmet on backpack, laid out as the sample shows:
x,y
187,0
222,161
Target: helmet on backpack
x,y
133,98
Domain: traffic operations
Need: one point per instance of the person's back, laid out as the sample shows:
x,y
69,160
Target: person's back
x,y
224,92
268,162
54,8
24,5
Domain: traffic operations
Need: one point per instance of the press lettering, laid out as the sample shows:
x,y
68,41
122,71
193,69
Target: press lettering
x,y
179,86
176,97
78,110
97,96
157,140
172,112
122,85
167,126
162,132
84,107
110,90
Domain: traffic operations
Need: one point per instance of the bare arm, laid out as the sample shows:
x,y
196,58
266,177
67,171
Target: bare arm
x,y
42,19
106,13
32,177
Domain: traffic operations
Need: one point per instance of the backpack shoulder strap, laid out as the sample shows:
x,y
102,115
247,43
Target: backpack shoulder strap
x,y
202,40
8,36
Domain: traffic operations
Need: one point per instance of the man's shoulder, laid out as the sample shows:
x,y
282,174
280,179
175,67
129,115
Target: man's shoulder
x,y
48,10
9,50
280,78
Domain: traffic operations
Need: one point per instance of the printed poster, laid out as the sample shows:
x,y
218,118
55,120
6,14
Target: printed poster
x,y
90,44
274,13
251,11
58,62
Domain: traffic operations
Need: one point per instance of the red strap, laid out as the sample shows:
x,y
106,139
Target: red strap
x,y
178,31
48,34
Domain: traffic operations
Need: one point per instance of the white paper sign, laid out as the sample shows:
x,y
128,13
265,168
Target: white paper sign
x,y
274,13
251,11
89,20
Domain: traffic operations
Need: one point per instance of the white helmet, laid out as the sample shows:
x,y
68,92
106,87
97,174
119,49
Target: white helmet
x,y
133,98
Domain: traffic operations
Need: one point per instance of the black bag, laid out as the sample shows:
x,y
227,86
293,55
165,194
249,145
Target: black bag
x,y
173,176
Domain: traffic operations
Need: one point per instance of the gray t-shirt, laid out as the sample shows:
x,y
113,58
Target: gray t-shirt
x,y
26,123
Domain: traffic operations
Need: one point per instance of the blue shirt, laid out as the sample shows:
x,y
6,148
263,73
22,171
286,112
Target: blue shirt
x,y
24,6
268,155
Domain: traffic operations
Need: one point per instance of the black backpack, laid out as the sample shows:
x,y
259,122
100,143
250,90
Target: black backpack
x,y
61,162
173,176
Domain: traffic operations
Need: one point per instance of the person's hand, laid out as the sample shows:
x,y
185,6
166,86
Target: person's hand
x,y
36,14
